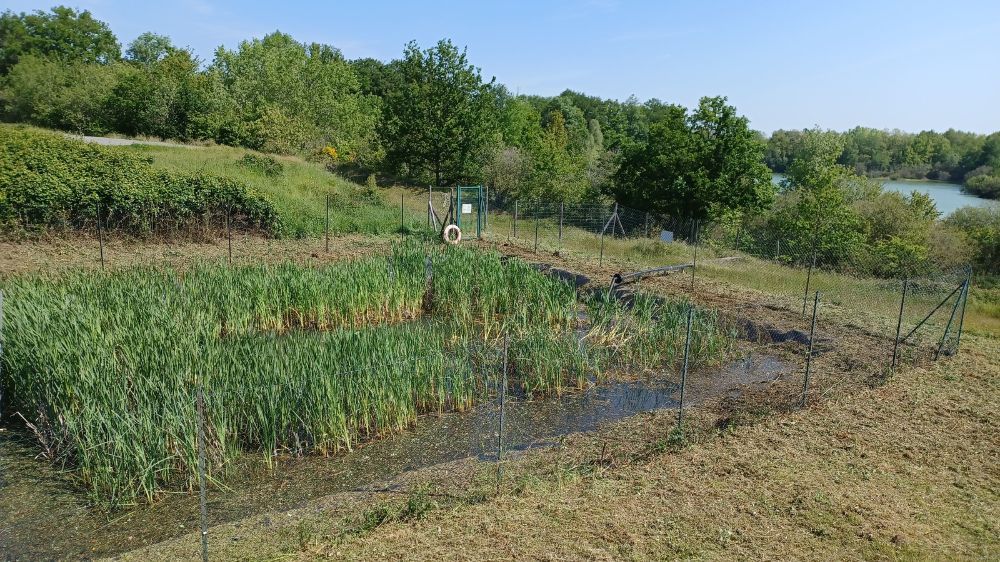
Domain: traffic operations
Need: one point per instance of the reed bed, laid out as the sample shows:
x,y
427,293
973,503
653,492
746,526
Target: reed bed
x,y
104,367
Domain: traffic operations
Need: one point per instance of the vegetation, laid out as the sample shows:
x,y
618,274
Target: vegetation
x,y
104,367
47,180
950,156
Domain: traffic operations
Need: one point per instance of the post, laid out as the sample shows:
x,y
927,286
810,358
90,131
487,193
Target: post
x,y
536,230
326,229
202,493
812,339
229,232
401,228
694,264
515,219
647,224
601,260
1,349
503,395
430,205
812,264
951,319
562,206
684,370
100,233
961,318
899,324
777,253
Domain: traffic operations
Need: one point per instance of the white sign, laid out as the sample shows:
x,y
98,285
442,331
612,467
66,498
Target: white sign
x,y
666,236
466,208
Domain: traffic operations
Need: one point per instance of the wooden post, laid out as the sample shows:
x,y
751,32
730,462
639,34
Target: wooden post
x,y
326,229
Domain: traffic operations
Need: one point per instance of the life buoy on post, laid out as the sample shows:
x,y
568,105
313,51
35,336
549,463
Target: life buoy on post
x,y
452,234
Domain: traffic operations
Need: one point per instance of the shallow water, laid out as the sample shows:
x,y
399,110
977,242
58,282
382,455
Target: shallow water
x,y
47,518
947,196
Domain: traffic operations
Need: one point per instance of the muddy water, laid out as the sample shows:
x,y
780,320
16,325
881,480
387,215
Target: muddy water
x,y
42,516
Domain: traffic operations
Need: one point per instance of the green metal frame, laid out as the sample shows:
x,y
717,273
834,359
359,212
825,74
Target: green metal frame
x,y
480,206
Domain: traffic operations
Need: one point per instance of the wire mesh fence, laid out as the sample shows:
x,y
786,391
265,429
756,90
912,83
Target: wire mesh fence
x,y
778,362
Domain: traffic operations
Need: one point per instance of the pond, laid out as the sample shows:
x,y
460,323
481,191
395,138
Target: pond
x,y
45,517
947,196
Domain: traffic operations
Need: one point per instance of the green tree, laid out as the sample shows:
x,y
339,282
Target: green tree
x,y
149,48
69,96
698,165
278,95
442,117
62,34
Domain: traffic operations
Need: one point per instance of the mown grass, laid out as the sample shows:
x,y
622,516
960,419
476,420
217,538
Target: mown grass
x,y
105,367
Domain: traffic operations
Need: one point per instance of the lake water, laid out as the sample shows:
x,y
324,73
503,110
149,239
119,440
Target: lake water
x,y
947,196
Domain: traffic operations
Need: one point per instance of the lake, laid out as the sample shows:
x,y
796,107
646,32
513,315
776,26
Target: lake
x,y
947,196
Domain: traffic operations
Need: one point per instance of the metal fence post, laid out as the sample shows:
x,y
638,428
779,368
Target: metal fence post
x,y
561,209
1,349
694,264
961,318
515,219
401,227
601,259
684,370
951,319
777,252
899,324
536,231
202,493
812,264
229,232
503,396
326,229
100,233
812,339
647,224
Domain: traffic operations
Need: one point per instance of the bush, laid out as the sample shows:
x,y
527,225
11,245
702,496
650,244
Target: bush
x,y
984,186
47,180
262,164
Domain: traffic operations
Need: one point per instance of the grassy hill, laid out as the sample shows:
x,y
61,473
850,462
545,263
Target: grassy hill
x,y
48,179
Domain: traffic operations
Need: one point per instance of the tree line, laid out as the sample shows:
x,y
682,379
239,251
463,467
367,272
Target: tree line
x,y
430,117
955,156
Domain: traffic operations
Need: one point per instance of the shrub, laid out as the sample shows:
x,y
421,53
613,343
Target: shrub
x,y
47,180
262,164
984,186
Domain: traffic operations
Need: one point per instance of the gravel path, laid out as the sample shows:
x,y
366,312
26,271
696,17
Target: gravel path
x,y
109,141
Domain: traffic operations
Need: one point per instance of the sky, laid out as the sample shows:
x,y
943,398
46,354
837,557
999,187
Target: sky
x,y
910,65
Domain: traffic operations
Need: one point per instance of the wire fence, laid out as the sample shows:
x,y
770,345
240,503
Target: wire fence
x,y
803,333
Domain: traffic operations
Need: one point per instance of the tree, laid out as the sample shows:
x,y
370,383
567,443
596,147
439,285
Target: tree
x,y
441,117
69,96
284,96
62,34
698,165
148,49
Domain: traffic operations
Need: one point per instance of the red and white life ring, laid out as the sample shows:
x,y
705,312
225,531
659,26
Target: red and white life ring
x,y
452,234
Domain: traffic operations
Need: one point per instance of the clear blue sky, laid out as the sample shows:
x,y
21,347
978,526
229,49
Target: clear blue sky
x,y
911,65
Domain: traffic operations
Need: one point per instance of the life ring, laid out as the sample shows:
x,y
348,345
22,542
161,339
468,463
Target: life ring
x,y
449,231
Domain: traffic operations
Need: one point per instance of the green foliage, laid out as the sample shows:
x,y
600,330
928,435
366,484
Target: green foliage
x,y
949,156
47,180
70,96
441,116
981,228
149,48
262,164
62,34
293,358
984,186
696,165
278,95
